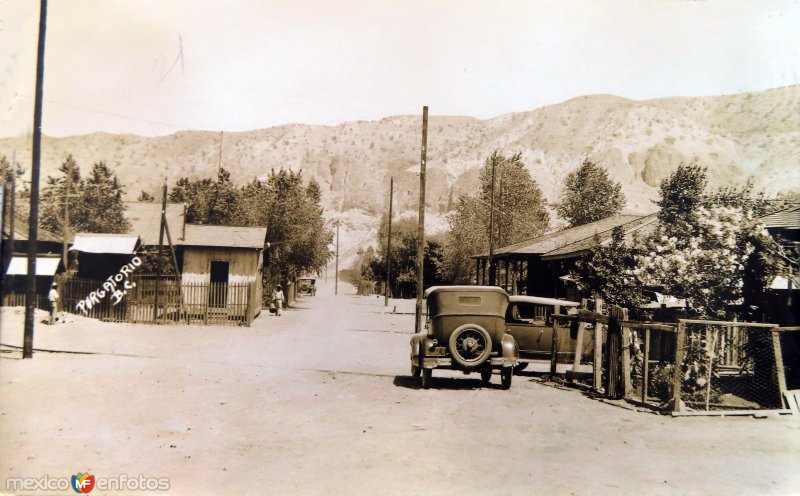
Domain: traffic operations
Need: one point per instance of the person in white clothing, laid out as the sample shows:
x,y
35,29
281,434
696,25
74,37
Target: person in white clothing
x,y
277,299
52,297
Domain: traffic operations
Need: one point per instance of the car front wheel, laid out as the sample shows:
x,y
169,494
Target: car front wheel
x,y
505,377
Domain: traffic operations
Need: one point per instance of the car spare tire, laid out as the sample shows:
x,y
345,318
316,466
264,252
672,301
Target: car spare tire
x,y
470,345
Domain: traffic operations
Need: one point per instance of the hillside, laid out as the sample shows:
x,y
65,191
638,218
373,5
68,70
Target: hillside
x,y
738,137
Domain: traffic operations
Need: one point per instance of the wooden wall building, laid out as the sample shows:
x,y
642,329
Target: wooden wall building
x,y
222,270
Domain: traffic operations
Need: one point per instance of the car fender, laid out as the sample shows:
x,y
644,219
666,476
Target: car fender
x,y
509,346
420,340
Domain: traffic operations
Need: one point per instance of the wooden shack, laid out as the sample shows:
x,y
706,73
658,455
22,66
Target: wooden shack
x,y
222,272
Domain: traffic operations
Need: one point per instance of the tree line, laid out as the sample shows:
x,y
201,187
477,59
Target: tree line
x,y
521,212
287,205
709,247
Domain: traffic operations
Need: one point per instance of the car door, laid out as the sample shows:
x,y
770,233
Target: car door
x,y
532,335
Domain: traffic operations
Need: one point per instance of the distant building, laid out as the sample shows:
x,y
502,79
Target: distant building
x,y
783,297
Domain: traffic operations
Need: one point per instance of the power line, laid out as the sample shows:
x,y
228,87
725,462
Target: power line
x,y
112,114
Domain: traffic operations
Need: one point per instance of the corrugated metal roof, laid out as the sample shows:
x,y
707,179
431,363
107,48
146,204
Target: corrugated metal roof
x,y
643,225
123,244
559,239
145,219
788,218
225,236
45,266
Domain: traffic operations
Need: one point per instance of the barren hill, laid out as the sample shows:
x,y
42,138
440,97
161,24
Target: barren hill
x,y
738,137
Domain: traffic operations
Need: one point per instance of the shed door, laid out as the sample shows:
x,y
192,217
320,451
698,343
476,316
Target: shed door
x,y
218,296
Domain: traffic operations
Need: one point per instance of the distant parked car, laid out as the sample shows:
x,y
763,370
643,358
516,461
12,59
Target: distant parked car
x,y
307,286
465,330
528,320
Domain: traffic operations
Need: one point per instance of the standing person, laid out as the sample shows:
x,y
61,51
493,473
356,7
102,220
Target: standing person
x,y
52,297
277,298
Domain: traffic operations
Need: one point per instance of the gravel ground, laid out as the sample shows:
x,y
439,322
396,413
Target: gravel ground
x,y
319,401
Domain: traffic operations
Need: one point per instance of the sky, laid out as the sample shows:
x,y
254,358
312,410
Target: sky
x,y
155,67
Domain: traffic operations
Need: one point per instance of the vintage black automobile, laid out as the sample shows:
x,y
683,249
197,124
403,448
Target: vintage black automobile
x,y
307,286
465,330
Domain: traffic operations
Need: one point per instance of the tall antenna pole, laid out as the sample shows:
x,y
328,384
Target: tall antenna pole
x,y
30,294
491,228
389,245
421,225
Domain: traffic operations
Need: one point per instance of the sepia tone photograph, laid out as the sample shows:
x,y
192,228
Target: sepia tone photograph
x,y
437,247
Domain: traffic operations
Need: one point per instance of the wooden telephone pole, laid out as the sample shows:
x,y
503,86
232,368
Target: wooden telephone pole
x,y
492,272
421,225
389,245
336,274
33,233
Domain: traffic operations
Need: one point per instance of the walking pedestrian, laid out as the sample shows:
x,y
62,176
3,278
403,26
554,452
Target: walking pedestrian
x,y
52,297
277,299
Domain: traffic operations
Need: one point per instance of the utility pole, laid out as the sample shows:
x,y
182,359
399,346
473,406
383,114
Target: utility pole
x,y
158,256
491,229
421,225
66,215
336,283
219,161
30,294
389,245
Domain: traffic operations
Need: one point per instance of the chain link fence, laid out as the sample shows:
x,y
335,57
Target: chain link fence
x,y
722,366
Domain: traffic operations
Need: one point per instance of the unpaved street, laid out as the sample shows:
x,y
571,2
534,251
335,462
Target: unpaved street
x,y
318,401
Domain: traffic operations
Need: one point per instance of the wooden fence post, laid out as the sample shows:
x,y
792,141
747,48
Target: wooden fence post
x,y
597,366
645,371
779,370
576,362
554,356
626,356
613,352
677,375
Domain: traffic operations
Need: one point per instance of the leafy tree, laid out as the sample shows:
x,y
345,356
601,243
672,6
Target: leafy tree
x,y
589,195
295,225
609,272
520,214
403,277
710,249
467,237
681,194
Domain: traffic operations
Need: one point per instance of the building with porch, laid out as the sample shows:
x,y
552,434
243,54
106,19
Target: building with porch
x,y
539,266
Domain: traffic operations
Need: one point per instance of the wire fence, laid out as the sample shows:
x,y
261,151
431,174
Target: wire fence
x,y
689,366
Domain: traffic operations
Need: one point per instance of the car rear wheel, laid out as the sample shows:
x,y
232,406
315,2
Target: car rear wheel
x,y
520,367
427,376
470,345
415,367
505,377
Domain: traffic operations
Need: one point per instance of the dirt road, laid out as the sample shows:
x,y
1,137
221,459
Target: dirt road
x,y
318,401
